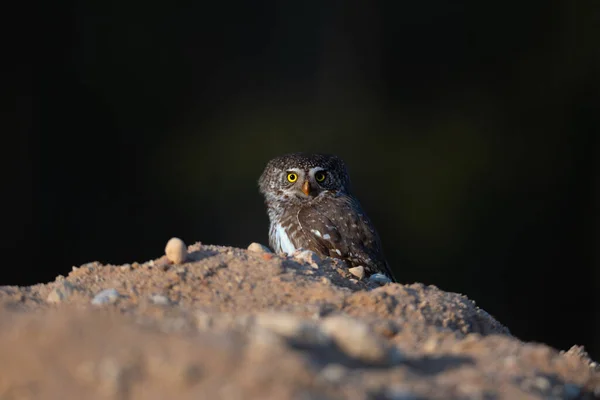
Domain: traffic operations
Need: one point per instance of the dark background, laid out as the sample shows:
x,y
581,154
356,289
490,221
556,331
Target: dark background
x,y
469,128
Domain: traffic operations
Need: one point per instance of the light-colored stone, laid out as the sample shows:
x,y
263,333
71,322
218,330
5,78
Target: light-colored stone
x,y
333,373
176,251
358,272
160,299
430,345
107,296
541,383
258,248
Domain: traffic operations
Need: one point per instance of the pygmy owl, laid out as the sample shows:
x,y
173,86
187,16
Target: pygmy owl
x,y
311,207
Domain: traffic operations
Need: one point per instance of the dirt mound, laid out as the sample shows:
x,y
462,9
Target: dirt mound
x,y
238,324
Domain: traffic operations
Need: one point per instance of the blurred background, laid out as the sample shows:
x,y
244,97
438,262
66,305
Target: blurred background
x,y
470,130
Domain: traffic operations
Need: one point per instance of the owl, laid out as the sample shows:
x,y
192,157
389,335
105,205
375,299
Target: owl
x,y
310,206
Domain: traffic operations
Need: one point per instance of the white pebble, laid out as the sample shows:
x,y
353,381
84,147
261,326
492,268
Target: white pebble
x,y
258,248
358,272
107,296
356,339
542,383
176,251
333,372
159,299
430,345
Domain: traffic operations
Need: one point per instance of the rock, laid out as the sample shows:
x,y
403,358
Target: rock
x,y
307,256
356,339
159,299
333,372
107,296
176,251
358,272
379,279
541,383
60,293
258,248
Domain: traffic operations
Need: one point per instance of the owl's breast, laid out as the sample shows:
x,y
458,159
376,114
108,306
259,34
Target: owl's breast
x,y
280,240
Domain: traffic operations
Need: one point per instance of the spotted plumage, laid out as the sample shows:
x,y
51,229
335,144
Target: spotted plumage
x,y
310,206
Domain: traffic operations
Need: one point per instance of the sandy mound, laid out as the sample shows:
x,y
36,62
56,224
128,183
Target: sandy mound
x,y
237,324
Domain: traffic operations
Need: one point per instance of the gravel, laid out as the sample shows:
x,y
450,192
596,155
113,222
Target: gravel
x,y
247,323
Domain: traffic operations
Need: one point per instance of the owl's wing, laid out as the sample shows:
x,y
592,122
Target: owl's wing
x,y
337,226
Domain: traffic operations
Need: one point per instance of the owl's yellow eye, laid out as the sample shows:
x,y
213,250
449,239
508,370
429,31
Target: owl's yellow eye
x,y
320,176
292,177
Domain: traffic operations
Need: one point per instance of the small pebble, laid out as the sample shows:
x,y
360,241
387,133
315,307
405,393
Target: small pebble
x,y
107,296
541,383
430,345
125,267
379,279
176,251
159,299
259,248
358,272
333,372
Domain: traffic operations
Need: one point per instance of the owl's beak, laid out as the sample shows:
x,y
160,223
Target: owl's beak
x,y
306,188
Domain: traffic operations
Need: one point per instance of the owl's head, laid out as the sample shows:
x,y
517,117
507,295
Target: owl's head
x,y
301,177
